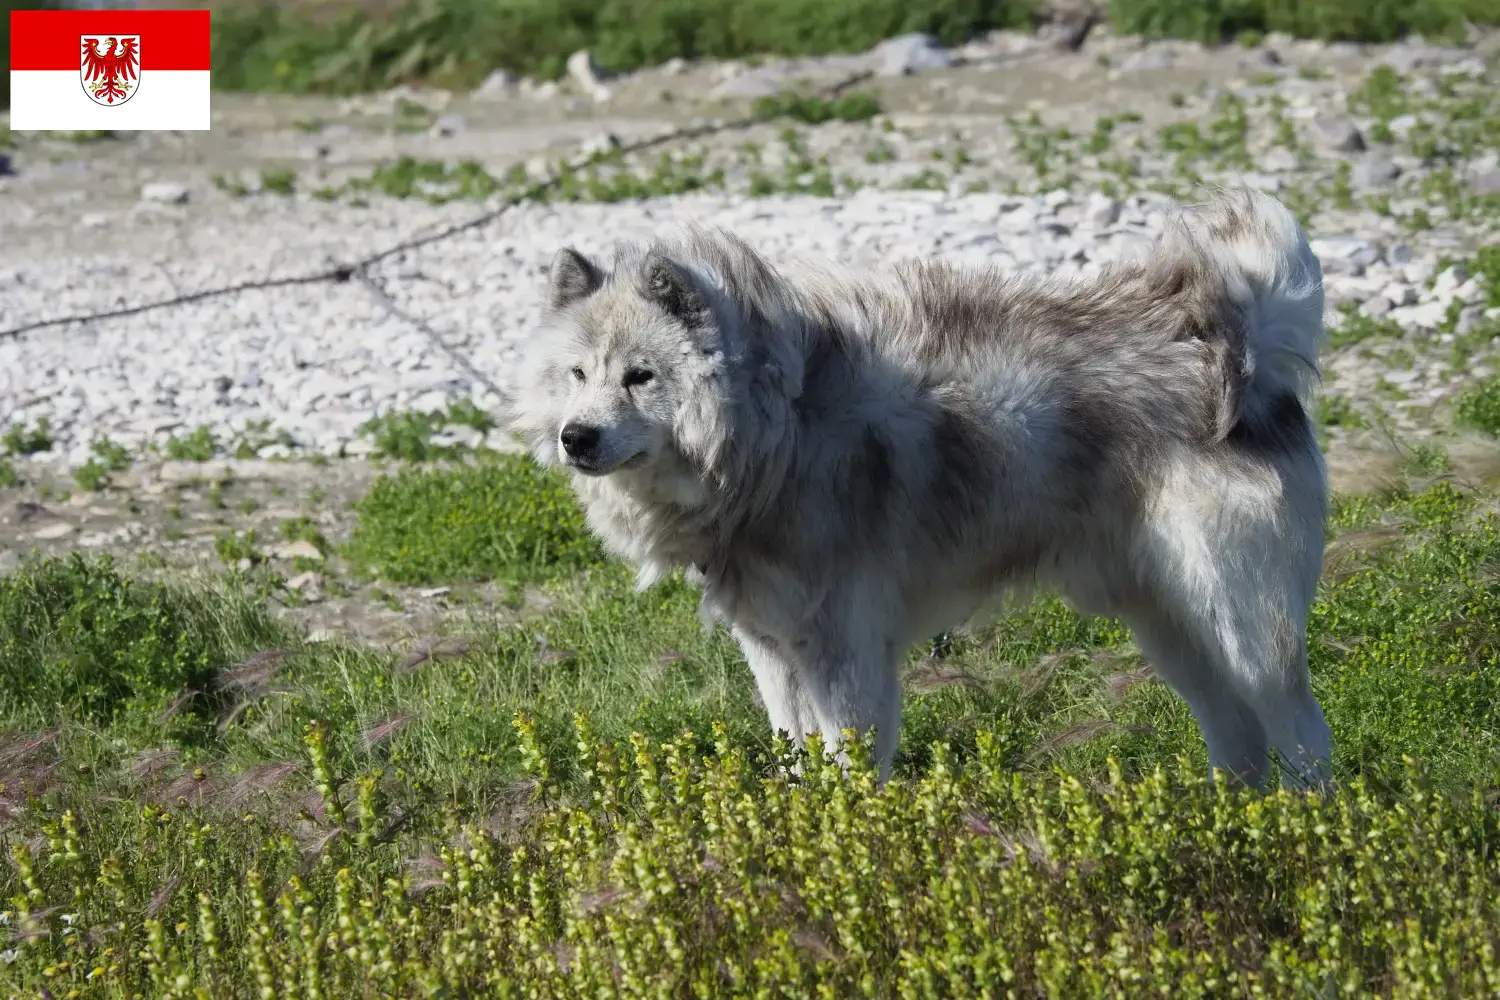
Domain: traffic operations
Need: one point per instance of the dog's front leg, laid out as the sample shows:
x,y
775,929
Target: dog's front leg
x,y
779,680
852,682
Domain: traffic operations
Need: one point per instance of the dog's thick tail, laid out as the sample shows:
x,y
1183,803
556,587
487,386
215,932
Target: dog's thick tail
x,y
1263,265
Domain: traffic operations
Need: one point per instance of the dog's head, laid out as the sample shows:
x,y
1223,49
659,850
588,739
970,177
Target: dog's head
x,y
654,363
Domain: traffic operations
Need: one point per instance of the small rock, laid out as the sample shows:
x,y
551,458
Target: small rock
x,y
1446,285
1102,211
1398,254
1400,294
305,581
165,192
1345,254
53,531
1428,315
6,169
1411,55
1470,291
94,220
539,168
908,54
749,86
299,549
600,144
1377,307
448,125
1401,125
588,75
319,635
1376,171
433,592
244,564
1469,319
674,66
1420,272
498,85
545,91
1338,135
223,384
1279,160
1260,59
1485,182
1153,58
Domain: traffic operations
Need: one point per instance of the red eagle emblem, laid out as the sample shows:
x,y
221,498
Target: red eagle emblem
x,y
111,74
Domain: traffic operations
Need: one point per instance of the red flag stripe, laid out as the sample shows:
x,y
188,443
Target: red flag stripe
x,y
52,39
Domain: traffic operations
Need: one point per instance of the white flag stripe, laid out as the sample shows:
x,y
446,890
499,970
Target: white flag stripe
x,y
43,100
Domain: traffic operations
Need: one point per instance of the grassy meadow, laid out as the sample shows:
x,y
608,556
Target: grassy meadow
x,y
580,796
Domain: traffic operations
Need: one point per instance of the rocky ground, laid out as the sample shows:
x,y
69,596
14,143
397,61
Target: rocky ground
x,y
1019,150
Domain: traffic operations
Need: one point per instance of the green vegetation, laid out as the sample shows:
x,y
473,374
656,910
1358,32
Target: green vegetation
x,y
1336,411
259,434
339,48
108,457
407,435
234,547
856,106
197,446
280,181
76,637
1478,407
500,518
281,47
588,802
1372,21
25,439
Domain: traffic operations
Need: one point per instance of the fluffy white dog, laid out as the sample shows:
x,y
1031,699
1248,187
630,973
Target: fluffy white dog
x,y
848,463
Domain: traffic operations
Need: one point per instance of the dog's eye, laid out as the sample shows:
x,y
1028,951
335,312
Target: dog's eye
x,y
578,374
637,376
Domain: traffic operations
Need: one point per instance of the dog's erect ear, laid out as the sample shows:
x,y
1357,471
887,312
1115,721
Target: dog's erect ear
x,y
573,276
672,287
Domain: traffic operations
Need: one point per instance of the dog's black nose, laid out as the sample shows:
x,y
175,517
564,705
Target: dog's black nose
x,y
579,439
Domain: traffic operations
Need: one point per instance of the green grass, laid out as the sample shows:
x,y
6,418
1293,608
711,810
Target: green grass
x,y
198,804
25,439
1478,407
1373,21
283,47
499,518
197,446
108,457
77,637
407,435
340,48
856,106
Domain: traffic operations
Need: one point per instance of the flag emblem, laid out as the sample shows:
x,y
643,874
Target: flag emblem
x,y
111,71
82,69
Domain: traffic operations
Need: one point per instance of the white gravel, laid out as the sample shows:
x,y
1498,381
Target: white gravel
x,y
319,360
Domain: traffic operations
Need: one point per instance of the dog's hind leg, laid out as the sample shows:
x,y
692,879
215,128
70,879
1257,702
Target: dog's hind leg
x,y
1235,561
1237,740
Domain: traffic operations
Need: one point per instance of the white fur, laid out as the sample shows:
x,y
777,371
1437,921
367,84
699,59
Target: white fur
x,y
849,463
